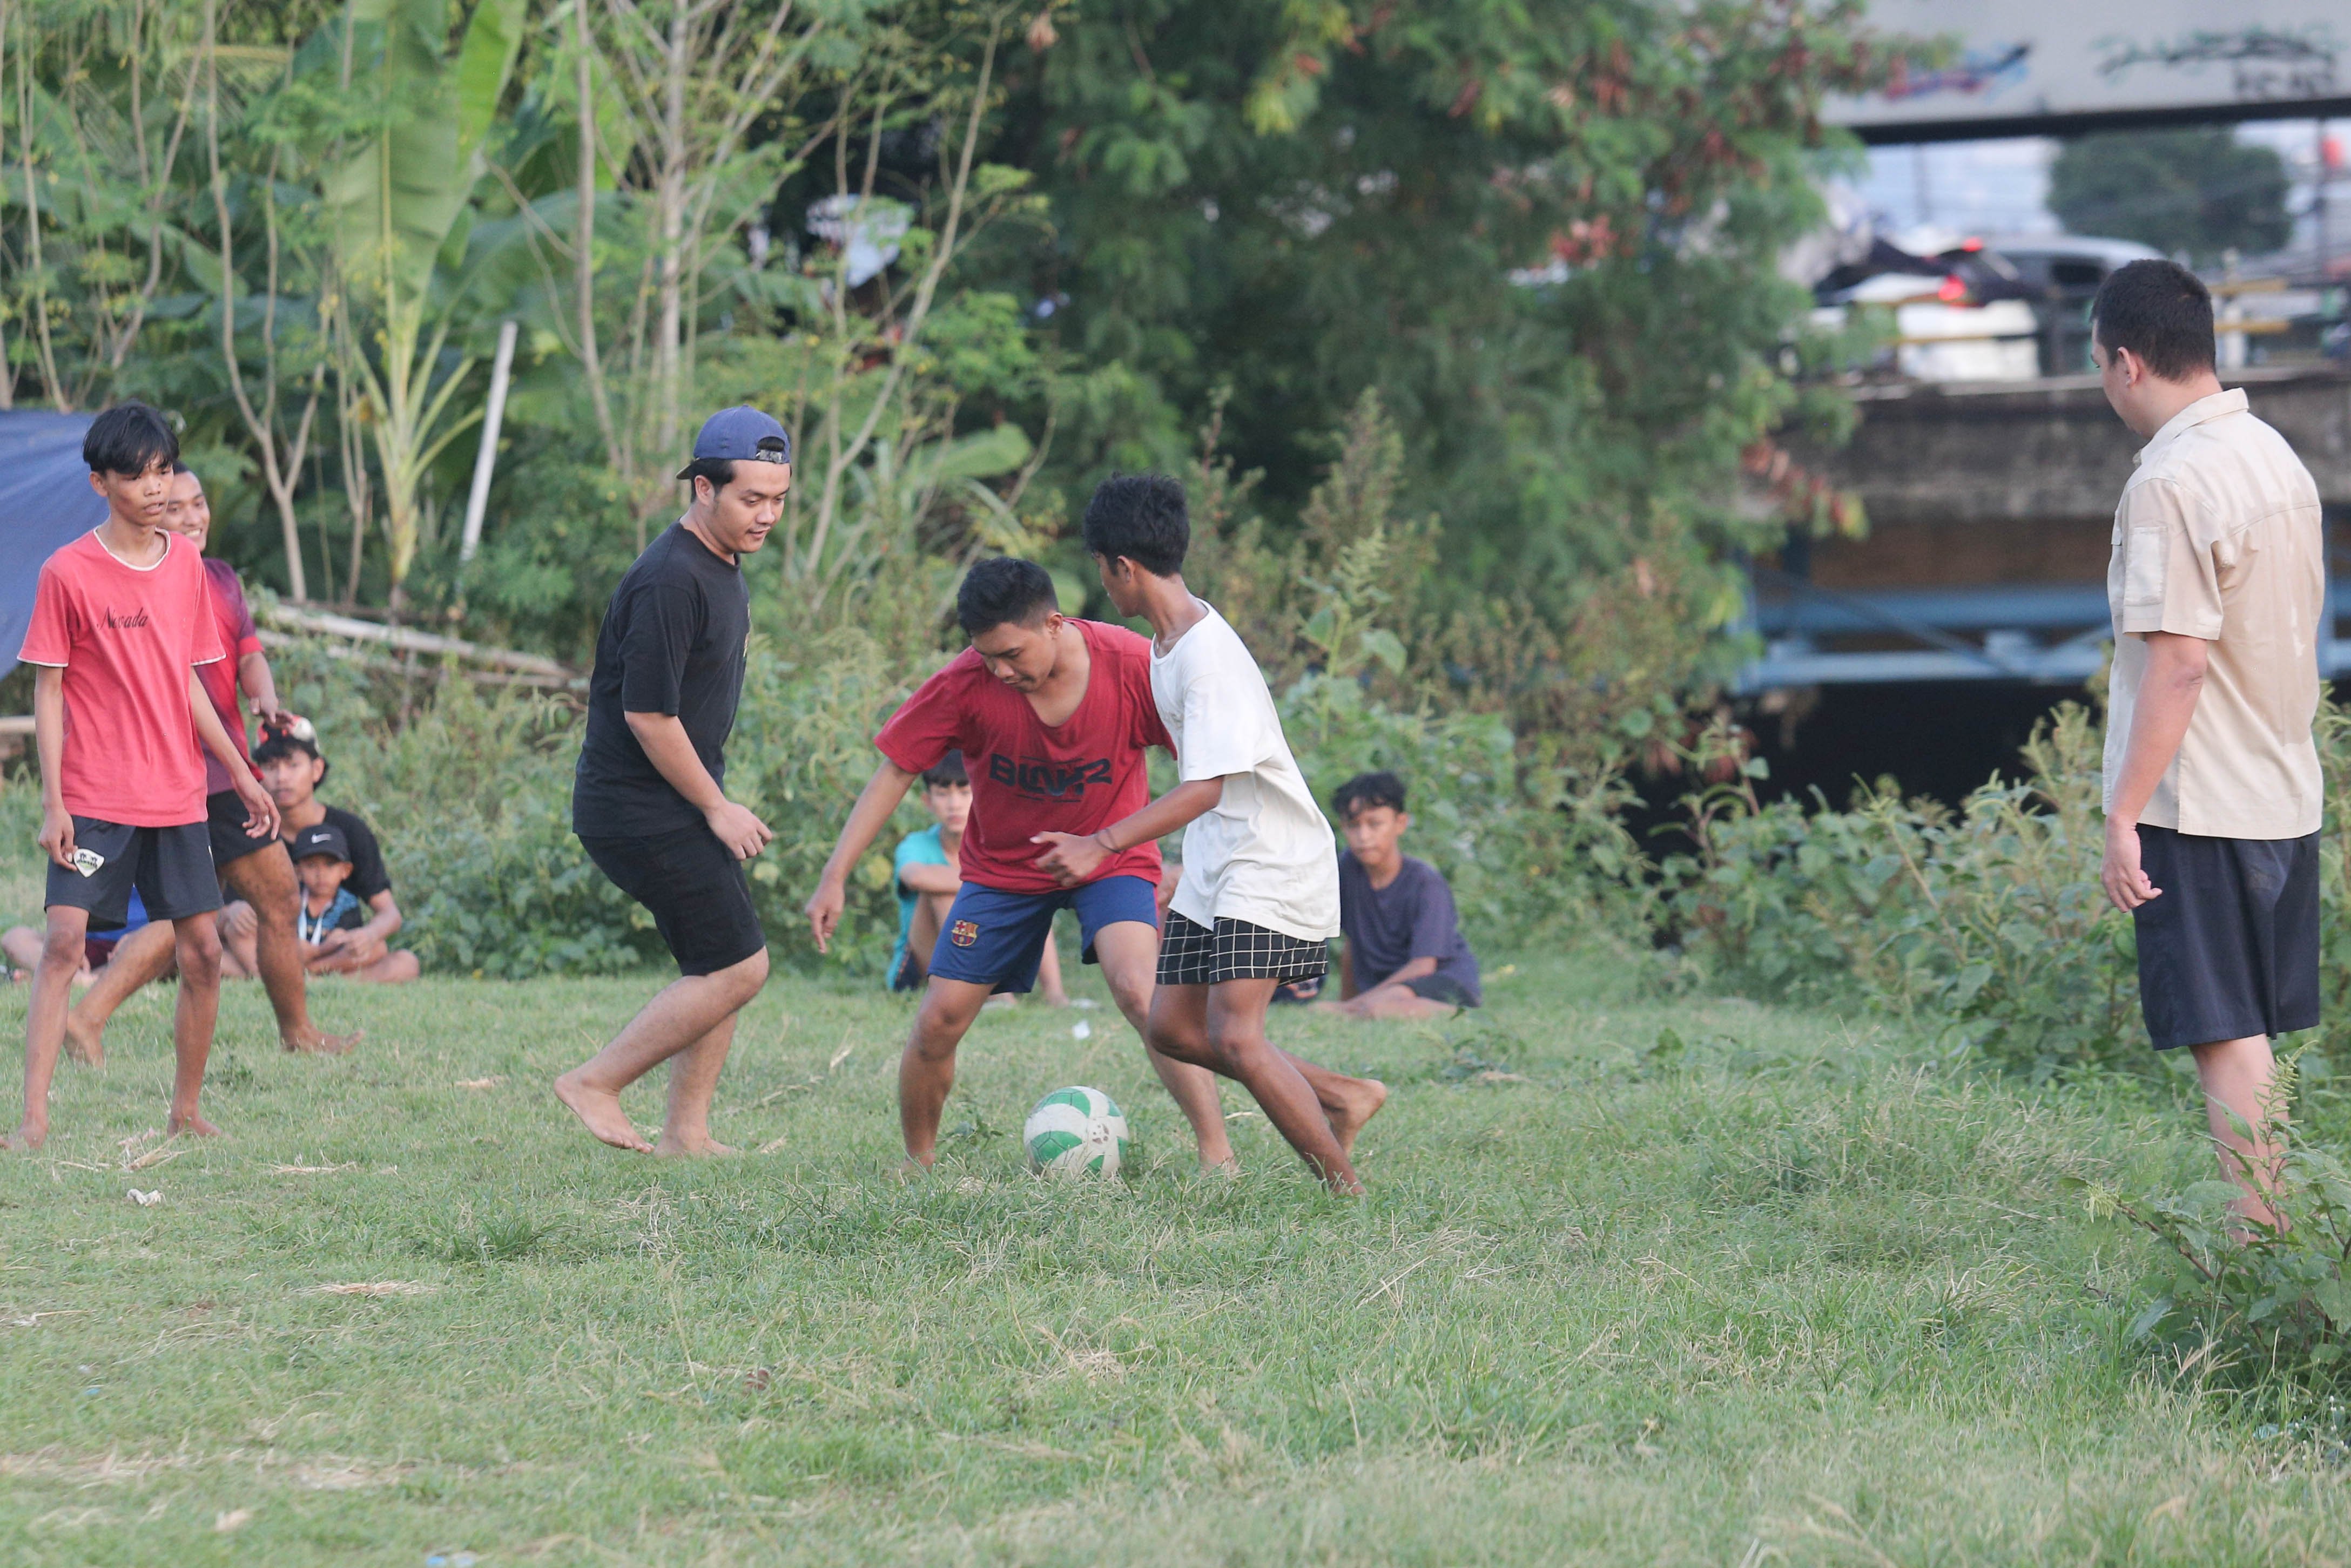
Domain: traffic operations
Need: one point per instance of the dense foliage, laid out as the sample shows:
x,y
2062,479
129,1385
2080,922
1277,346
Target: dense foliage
x,y
2199,189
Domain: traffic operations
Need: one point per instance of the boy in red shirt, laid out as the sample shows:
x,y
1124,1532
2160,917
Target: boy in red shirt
x,y
121,621
1052,716
256,874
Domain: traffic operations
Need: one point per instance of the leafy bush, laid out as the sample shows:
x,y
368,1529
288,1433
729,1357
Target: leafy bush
x,y
1985,929
2258,1298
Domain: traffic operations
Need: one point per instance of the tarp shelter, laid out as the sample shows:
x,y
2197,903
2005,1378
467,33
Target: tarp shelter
x,y
45,501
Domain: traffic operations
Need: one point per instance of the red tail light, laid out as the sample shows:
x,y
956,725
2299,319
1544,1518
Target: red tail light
x,y
1953,291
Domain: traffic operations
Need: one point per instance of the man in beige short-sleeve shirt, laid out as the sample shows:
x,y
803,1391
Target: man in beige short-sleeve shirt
x,y
2218,590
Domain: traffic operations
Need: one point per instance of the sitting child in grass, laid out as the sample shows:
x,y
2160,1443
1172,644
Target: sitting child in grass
x,y
21,946
1405,954
927,878
330,916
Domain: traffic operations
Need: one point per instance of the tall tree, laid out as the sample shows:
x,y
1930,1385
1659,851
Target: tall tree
x,y
2197,190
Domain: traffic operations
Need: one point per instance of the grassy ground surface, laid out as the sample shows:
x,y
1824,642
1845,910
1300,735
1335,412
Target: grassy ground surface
x,y
1783,1294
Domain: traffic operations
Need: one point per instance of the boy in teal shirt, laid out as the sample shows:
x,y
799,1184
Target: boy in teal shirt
x,y
926,879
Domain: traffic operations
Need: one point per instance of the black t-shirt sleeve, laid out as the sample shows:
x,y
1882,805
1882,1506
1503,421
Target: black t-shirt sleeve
x,y
664,619
368,876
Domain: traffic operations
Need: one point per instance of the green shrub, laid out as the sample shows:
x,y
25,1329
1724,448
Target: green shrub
x,y
1985,930
2259,1299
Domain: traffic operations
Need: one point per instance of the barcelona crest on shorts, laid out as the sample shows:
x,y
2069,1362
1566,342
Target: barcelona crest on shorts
x,y
963,933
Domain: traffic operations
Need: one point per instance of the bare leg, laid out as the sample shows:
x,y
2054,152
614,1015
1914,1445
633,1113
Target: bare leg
x,y
1050,991
692,1080
926,1068
239,959
930,919
142,958
1388,1001
1128,952
45,1017
687,1008
196,944
20,947
2236,1075
265,880
395,968
1223,1027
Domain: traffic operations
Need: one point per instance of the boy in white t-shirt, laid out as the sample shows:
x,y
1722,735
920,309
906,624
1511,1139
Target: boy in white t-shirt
x,y
1258,902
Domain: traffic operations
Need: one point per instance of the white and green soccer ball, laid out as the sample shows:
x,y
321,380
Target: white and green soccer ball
x,y
1075,1131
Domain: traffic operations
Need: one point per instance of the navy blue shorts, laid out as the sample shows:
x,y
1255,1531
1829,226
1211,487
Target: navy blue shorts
x,y
995,938
2230,950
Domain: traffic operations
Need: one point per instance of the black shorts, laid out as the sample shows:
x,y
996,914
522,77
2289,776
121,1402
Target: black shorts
x,y
693,888
2231,948
171,867
910,974
1191,954
225,825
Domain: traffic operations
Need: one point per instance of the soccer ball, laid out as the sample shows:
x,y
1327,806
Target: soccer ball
x,y
1075,1130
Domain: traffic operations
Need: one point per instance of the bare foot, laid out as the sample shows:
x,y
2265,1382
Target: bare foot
x,y
692,1148
601,1111
193,1124
910,1167
319,1044
27,1138
85,1045
1228,1166
1362,1103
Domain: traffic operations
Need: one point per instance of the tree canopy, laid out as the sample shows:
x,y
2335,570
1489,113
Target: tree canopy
x,y
2197,190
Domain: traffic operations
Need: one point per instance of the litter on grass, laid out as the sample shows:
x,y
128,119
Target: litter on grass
x,y
311,1169
146,1199
377,1288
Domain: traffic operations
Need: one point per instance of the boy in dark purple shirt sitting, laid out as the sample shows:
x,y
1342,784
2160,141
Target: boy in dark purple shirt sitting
x,y
1405,955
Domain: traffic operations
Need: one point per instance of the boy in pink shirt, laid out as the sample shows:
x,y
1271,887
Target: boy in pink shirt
x,y
120,621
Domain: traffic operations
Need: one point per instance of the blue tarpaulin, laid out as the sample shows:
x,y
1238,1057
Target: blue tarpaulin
x,y
45,501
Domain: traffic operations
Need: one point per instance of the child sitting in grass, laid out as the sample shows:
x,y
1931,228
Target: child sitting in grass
x,y
328,912
1405,955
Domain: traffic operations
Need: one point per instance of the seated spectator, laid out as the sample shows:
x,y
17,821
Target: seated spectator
x,y
291,769
927,880
329,916
20,945
1404,956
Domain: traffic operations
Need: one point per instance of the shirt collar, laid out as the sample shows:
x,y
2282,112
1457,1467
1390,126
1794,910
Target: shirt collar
x,y
2232,401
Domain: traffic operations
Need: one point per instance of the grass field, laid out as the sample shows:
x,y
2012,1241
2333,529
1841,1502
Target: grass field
x,y
1785,1293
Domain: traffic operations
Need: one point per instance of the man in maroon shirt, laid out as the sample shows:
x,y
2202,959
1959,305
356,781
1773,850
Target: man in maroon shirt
x,y
254,870
1053,716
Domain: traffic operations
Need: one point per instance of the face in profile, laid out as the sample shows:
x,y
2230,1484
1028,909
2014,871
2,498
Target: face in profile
x,y
1021,654
186,510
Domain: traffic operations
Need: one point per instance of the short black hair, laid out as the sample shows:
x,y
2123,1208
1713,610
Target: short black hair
x,y
1004,589
947,770
1140,516
278,744
129,438
2159,311
719,471
1365,791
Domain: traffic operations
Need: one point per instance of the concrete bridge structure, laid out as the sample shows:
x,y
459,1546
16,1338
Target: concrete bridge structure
x,y
1992,512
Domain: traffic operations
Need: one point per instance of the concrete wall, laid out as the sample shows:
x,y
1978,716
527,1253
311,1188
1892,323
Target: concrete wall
x,y
2016,482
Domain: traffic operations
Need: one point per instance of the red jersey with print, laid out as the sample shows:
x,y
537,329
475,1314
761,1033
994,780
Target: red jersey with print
x,y
1027,777
127,637
233,622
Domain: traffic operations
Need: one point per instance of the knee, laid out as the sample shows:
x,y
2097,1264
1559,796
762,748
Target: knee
x,y
62,944
750,976
199,952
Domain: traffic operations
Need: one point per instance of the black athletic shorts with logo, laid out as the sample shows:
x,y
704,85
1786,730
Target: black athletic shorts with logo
x,y
1191,954
2231,948
171,867
224,826
693,888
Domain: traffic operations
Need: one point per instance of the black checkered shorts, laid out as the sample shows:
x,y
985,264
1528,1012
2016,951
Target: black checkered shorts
x,y
1191,954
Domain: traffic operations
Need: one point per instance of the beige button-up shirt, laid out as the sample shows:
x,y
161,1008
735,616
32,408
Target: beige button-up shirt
x,y
2218,536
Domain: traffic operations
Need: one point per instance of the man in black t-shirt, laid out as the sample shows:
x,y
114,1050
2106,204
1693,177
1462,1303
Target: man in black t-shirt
x,y
648,801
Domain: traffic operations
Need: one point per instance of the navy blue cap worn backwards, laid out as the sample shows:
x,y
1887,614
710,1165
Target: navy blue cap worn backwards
x,y
742,434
